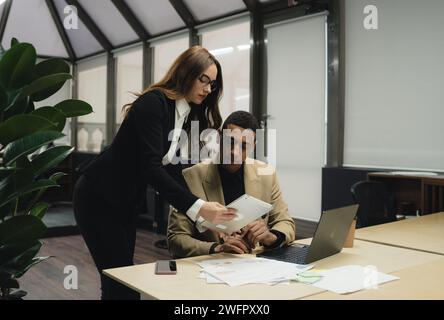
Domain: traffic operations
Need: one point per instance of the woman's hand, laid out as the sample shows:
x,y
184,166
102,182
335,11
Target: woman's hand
x,y
216,213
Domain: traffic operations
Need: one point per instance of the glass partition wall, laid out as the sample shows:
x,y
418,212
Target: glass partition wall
x,y
91,87
129,79
229,42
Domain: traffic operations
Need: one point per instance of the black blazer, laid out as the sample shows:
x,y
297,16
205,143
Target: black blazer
x,y
134,159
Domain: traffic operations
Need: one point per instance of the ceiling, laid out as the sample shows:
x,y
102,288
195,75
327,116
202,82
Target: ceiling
x,y
103,25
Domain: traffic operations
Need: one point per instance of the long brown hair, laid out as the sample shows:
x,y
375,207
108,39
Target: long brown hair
x,y
179,81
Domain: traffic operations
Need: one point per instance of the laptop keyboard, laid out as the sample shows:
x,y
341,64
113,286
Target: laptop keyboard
x,y
289,254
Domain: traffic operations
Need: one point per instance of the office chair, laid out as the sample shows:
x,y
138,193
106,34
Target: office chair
x,y
375,203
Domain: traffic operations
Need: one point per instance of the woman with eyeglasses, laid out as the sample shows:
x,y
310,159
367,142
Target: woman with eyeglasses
x,y
106,194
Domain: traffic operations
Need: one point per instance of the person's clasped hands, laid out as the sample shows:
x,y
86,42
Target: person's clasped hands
x,y
245,240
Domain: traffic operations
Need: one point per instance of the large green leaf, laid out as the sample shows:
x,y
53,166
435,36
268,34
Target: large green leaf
x,y
14,97
3,98
35,186
16,295
21,229
14,42
32,198
6,171
22,179
74,108
18,263
22,125
39,210
29,265
57,176
43,87
16,66
47,68
18,106
38,185
53,115
6,210
24,175
11,284
12,250
29,144
22,261
31,107
6,190
50,158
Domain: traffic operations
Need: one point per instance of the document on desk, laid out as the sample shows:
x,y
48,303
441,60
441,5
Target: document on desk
x,y
241,271
248,209
212,280
209,278
352,278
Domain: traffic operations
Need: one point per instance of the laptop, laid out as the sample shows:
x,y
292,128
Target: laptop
x,y
329,239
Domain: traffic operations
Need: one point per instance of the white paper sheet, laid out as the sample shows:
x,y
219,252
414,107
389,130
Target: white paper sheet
x,y
352,278
212,280
209,278
240,271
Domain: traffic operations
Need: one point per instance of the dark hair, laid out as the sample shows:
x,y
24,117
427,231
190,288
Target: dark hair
x,y
242,119
179,80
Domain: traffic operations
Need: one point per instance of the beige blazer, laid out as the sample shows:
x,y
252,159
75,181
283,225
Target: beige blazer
x,y
203,180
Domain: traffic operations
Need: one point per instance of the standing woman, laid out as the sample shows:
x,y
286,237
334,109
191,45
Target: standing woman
x,y
106,193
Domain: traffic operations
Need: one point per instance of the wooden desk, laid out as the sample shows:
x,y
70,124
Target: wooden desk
x,y
422,282
186,285
425,192
425,233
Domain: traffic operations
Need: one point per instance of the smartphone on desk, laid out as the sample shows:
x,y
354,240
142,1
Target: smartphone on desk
x,y
166,267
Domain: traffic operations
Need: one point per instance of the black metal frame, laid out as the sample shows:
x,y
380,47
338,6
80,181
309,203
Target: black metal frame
x,y
278,5
148,62
131,19
74,94
41,56
252,5
110,97
336,84
257,69
184,13
61,30
195,39
91,25
4,18
285,14
187,17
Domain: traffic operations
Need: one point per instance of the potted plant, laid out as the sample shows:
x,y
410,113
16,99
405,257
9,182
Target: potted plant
x,y
24,131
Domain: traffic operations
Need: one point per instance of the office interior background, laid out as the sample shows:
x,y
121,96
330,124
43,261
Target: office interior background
x,y
345,101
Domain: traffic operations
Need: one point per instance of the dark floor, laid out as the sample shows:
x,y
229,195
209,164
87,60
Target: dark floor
x,y
45,281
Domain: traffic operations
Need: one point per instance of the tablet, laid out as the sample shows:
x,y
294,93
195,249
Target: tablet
x,y
248,209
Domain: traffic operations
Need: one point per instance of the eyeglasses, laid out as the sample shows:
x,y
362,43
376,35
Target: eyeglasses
x,y
205,80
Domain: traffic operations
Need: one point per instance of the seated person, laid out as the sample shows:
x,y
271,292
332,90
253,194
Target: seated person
x,y
224,183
